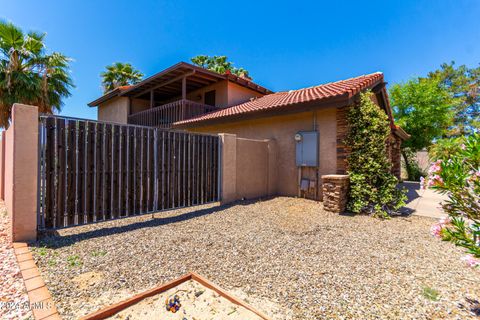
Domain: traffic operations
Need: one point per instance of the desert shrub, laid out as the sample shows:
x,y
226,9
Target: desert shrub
x,y
373,189
457,174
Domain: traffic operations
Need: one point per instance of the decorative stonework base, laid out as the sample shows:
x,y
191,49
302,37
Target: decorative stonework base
x,y
335,192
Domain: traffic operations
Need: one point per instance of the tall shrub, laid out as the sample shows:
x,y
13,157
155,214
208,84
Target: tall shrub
x,y
458,176
372,186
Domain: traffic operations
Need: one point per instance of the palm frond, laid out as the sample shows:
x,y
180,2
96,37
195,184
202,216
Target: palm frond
x,y
119,74
28,75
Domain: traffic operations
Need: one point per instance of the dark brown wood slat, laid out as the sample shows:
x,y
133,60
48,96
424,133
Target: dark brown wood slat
x,y
90,160
50,173
96,171
70,139
96,177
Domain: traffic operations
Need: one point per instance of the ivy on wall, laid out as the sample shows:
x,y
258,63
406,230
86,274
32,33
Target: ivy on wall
x,y
373,189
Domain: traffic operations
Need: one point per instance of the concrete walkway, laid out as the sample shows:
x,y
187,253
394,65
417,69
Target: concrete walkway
x,y
424,203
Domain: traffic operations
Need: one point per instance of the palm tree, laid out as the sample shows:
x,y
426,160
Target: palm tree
x,y
28,74
219,64
120,74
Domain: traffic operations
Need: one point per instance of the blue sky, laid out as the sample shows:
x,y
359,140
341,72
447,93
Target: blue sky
x,y
284,45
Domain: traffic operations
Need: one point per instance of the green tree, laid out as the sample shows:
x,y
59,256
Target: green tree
x,y
423,108
372,186
28,74
219,64
464,84
120,74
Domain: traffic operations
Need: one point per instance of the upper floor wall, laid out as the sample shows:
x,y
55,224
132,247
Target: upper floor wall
x,y
180,86
220,94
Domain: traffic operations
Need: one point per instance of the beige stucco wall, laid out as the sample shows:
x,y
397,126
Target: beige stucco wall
x,y
249,168
221,98
282,129
238,94
114,110
139,105
21,164
252,168
9,170
226,94
2,165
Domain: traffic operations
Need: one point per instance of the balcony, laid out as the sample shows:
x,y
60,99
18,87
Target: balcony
x,y
165,115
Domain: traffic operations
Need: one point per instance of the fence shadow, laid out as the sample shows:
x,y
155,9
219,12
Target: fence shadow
x,y
54,240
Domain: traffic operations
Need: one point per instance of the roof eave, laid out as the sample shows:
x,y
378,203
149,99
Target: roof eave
x,y
402,134
229,77
109,95
341,100
338,101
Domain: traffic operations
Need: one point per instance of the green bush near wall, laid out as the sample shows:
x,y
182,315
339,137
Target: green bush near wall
x,y
373,189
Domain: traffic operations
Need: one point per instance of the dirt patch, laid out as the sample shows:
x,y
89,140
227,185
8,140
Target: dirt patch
x,y
88,279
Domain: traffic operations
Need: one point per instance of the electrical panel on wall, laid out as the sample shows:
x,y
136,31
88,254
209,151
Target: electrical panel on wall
x,y
306,149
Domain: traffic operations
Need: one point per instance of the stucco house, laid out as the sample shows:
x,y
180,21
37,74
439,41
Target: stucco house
x,y
187,97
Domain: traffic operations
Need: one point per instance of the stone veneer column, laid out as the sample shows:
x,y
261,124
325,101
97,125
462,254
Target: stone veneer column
x,y
342,129
335,192
21,164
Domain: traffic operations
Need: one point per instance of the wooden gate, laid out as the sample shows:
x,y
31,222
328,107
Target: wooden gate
x,y
92,171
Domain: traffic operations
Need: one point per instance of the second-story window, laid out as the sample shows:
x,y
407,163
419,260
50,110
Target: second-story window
x,y
210,98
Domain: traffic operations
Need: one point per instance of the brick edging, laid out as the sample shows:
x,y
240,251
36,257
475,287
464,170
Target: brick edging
x,y
41,302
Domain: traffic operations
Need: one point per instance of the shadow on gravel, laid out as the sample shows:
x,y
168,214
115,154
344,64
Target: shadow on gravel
x,y
54,240
412,189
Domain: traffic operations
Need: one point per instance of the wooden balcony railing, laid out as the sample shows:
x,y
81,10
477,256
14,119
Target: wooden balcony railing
x,y
163,116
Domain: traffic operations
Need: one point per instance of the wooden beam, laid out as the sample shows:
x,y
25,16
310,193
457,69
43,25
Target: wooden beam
x,y
377,88
184,88
152,99
202,81
165,83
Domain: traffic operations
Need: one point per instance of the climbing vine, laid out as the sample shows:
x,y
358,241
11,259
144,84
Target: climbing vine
x,y
373,189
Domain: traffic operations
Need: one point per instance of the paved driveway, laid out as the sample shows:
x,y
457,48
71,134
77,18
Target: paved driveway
x,y
421,202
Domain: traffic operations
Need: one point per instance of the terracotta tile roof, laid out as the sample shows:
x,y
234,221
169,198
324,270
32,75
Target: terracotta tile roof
x,y
125,87
344,88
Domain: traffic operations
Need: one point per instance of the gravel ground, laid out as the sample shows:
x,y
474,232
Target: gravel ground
x,y
287,257
14,303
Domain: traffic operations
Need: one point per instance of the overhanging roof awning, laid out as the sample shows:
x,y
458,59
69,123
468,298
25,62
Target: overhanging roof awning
x,y
169,82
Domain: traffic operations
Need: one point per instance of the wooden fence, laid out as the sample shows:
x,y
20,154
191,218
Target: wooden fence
x,y
92,171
